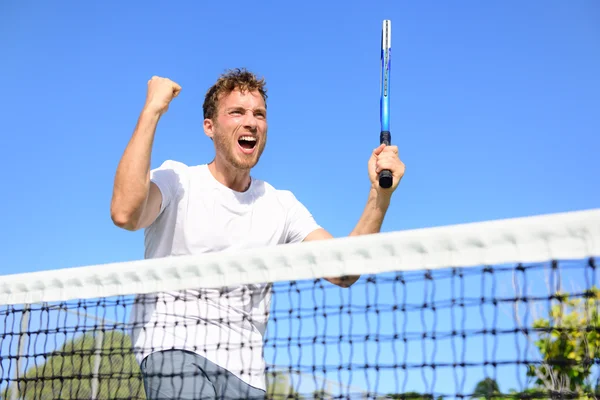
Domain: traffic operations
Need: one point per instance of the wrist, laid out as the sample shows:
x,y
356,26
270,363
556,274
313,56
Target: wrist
x,y
381,197
151,111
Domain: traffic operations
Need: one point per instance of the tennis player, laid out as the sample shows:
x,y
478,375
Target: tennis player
x,y
209,343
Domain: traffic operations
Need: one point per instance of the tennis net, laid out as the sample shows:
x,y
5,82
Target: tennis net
x,y
497,309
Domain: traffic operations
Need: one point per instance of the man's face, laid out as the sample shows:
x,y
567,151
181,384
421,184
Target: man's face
x,y
239,128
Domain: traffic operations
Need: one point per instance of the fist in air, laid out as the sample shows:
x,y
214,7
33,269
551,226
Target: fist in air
x,y
160,93
385,157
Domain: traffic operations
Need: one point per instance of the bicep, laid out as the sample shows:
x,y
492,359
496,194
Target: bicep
x,y
318,234
152,207
164,185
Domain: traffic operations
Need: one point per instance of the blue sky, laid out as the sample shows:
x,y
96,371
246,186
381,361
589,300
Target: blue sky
x,y
494,108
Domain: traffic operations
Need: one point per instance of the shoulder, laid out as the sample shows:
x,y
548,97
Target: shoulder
x,y
172,166
284,197
170,177
176,170
299,221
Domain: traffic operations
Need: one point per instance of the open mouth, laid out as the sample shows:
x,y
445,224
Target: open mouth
x,y
247,142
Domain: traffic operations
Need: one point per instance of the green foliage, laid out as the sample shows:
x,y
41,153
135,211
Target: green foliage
x,y
320,394
486,389
569,342
67,373
409,396
279,387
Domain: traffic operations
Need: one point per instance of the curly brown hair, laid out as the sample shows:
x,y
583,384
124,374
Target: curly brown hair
x,y
238,78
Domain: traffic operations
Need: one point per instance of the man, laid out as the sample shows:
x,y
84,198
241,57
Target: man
x,y
208,343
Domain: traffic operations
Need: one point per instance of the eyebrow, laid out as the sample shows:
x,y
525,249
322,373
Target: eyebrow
x,y
258,109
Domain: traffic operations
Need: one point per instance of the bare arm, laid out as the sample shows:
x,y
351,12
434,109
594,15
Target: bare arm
x,y
372,217
377,205
369,222
136,201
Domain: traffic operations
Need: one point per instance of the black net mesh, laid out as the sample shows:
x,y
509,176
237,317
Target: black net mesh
x,y
505,331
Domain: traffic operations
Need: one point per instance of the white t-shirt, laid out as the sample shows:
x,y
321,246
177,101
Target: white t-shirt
x,y
200,215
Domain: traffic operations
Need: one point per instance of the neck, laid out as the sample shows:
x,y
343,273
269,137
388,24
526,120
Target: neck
x,y
229,176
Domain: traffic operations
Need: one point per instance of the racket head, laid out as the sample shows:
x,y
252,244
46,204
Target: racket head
x,y
386,69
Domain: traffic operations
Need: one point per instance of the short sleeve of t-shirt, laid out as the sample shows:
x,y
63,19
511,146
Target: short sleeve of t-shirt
x,y
300,222
167,179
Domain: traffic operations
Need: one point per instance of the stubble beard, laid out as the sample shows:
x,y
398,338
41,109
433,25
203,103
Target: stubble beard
x,y
227,149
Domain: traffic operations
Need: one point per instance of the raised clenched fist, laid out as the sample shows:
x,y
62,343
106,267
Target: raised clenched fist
x,y
160,93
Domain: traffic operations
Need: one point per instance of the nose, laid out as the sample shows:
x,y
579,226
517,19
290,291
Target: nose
x,y
249,121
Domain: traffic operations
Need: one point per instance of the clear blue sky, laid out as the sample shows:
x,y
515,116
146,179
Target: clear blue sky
x,y
495,109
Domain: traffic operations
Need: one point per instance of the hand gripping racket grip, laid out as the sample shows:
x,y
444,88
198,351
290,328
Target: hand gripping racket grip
x,y
385,177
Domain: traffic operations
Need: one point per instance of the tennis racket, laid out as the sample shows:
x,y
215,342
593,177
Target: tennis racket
x,y
385,177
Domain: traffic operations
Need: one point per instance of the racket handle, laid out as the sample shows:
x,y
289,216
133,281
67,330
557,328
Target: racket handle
x,y
385,177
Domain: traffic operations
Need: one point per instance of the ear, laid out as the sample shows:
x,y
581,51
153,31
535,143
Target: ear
x,y
209,128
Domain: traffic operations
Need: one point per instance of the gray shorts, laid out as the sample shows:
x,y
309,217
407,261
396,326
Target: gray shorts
x,y
180,374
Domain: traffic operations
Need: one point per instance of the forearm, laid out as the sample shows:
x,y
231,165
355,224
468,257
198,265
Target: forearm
x,y
372,217
378,202
369,222
132,179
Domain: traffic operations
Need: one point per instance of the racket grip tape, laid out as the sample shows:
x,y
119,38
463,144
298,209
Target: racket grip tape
x,y
385,177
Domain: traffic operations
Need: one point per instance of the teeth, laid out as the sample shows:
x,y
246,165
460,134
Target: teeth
x,y
248,138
